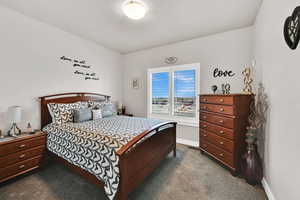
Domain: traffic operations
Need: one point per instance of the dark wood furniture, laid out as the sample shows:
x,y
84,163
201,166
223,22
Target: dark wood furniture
x,y
223,121
21,155
126,114
136,164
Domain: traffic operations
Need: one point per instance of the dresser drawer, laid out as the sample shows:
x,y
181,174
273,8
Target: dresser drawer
x,y
221,155
223,143
21,145
222,109
220,131
20,167
222,121
224,100
22,155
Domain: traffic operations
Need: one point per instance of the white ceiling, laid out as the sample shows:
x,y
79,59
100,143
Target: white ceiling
x,y
167,21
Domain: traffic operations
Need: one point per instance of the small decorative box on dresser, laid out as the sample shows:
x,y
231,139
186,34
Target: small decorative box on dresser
x,y
223,121
22,154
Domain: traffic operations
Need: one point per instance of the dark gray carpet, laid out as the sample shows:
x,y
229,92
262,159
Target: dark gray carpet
x,y
190,176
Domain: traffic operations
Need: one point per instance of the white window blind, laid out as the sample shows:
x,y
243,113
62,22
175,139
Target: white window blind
x,y
173,93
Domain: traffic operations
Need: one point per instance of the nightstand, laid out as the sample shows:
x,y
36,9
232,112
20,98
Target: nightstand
x,y
128,115
21,154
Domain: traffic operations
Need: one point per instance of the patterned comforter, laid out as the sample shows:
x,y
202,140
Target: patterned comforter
x,y
93,145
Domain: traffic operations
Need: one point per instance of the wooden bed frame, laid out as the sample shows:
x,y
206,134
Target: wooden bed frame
x,y
135,165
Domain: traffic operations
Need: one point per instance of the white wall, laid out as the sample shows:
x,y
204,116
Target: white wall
x,y
280,73
230,50
30,65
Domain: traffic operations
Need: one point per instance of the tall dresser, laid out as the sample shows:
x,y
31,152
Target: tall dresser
x,y
223,121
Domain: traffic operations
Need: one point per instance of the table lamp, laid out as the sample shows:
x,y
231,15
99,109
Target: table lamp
x,y
16,118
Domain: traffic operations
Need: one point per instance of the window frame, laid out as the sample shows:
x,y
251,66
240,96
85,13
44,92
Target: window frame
x,y
187,121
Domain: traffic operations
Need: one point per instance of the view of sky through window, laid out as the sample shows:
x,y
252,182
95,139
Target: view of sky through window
x,y
184,83
160,85
184,89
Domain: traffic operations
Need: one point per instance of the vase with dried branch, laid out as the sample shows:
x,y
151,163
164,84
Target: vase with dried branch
x,y
252,165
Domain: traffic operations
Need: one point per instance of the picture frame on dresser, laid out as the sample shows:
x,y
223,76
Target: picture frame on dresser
x,y
222,132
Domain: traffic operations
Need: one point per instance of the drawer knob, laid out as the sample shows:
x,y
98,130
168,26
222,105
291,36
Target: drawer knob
x,y
204,117
204,107
222,155
22,146
221,100
21,167
22,156
204,126
221,143
221,121
204,145
221,109
221,132
205,135
204,99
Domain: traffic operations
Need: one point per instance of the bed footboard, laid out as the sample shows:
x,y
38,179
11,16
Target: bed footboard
x,y
140,161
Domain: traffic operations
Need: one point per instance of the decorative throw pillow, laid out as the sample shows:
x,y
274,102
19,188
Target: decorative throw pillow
x,y
97,114
63,113
109,109
82,115
96,104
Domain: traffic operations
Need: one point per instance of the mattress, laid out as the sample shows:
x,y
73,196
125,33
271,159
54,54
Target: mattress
x,y
92,145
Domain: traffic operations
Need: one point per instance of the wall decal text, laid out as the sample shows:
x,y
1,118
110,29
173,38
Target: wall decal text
x,y
81,68
222,73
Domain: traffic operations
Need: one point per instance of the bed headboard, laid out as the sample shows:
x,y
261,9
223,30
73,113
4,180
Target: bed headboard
x,y
66,98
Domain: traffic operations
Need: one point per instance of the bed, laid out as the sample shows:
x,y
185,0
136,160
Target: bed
x,y
116,153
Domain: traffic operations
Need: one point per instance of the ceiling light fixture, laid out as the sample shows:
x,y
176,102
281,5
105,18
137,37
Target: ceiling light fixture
x,y
134,9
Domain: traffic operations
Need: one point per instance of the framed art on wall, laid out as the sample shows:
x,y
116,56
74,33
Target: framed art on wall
x,y
135,83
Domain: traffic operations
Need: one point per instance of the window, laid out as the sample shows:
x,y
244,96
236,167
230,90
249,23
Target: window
x,y
160,93
173,92
185,93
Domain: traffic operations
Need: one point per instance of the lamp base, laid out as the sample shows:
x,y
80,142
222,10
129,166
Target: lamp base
x,y
14,131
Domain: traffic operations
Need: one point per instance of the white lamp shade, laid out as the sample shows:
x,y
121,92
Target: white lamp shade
x,y
16,114
134,9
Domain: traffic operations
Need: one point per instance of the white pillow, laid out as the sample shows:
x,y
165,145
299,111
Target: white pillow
x,y
97,114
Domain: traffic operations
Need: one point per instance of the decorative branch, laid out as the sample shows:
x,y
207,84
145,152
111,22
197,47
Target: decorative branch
x,y
259,108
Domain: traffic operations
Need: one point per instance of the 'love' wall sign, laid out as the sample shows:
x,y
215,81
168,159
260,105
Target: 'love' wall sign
x,y
81,68
222,73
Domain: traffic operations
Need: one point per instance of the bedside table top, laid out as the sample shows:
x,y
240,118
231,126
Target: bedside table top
x,y
23,136
129,115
